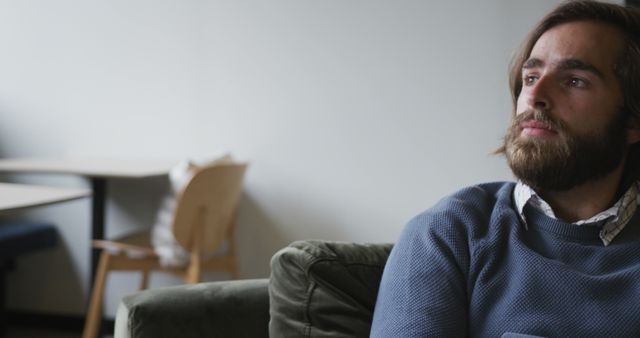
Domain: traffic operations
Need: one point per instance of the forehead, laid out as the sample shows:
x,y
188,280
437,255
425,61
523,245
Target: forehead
x,y
593,42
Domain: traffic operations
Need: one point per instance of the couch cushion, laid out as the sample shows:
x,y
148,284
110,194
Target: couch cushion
x,y
325,289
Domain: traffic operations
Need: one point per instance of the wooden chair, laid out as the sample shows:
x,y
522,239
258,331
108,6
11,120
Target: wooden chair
x,y
203,220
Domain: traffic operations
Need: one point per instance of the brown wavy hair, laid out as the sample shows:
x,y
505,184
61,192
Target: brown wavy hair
x,y
626,68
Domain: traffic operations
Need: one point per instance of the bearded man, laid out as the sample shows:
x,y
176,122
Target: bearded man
x,y
556,254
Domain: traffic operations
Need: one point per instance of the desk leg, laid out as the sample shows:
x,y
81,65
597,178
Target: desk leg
x,y
99,189
98,216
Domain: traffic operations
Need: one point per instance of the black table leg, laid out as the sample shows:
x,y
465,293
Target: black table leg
x,y
98,204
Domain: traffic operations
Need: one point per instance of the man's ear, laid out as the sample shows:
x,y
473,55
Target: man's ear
x,y
633,135
633,129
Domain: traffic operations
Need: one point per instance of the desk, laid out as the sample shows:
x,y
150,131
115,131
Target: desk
x,y
20,196
98,171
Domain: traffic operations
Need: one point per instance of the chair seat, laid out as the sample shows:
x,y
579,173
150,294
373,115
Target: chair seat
x,y
133,245
139,245
20,237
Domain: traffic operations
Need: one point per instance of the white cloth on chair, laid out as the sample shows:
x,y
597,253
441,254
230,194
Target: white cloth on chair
x,y
164,243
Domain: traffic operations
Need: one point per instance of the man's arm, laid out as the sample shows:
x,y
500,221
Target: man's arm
x,y
423,292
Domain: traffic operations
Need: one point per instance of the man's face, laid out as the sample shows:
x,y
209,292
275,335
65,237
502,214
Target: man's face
x,y
569,127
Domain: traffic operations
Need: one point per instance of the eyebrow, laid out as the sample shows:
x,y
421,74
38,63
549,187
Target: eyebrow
x,y
568,64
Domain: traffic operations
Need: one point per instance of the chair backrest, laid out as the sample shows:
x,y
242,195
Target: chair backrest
x,y
209,201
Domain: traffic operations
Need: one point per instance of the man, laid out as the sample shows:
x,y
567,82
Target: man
x,y
556,254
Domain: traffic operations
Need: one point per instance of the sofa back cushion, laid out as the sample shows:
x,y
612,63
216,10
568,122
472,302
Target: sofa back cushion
x,y
325,289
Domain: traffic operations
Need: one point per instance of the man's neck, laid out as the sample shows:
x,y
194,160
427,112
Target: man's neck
x,y
586,200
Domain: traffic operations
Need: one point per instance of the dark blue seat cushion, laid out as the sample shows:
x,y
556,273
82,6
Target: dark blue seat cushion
x,y
19,237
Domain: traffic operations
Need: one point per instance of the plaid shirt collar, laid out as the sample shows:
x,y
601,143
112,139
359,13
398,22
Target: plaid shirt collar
x,y
612,220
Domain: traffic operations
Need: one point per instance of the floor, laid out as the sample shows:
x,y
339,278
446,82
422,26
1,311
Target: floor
x,y
42,333
37,325
32,333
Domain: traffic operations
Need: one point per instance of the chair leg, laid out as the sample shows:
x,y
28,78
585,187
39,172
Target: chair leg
x,y
144,282
94,314
194,270
233,252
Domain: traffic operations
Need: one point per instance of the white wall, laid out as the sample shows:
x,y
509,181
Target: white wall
x,y
355,115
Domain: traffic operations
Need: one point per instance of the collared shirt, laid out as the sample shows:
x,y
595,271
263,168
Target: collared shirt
x,y
611,221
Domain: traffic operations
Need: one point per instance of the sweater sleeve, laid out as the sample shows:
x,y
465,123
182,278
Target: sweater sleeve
x,y
423,292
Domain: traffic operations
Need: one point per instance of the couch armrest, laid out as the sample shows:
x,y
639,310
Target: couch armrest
x,y
217,309
323,289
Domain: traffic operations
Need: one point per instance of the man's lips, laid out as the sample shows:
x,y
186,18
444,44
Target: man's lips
x,y
537,128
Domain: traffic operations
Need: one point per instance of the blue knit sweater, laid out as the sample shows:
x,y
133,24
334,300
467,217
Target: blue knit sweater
x,y
469,268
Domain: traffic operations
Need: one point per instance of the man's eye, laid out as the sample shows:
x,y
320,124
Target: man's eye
x,y
577,83
529,79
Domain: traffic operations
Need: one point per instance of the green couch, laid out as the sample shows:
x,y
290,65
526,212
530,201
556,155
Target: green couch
x,y
316,289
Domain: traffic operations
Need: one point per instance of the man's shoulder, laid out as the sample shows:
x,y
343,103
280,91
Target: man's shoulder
x,y
471,205
481,196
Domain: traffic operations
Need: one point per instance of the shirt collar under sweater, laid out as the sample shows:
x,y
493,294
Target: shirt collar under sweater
x,y
610,221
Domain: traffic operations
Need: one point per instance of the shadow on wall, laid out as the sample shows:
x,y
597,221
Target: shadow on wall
x,y
133,204
258,239
45,280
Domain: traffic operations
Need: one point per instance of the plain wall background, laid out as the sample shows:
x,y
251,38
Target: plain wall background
x,y
354,115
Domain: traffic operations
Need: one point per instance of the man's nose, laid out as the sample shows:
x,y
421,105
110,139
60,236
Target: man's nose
x,y
538,94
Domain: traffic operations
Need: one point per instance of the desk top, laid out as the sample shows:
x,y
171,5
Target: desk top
x,y
103,168
18,196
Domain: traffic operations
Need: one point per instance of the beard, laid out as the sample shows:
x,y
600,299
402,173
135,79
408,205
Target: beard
x,y
568,160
